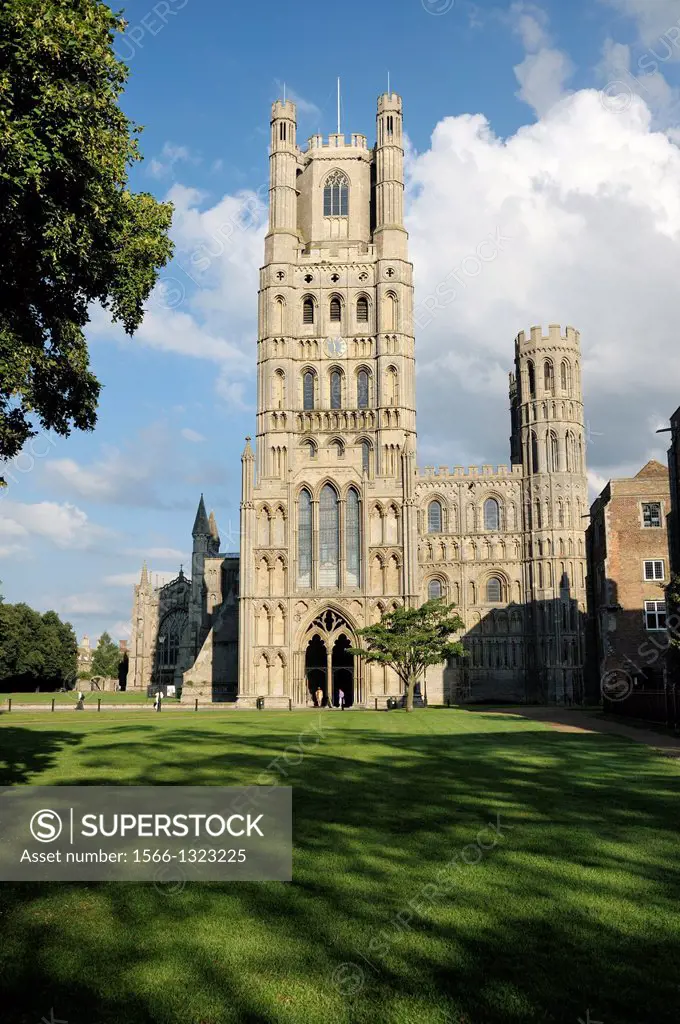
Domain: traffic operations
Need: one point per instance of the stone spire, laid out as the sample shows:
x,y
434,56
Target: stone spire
x,y
201,522
144,581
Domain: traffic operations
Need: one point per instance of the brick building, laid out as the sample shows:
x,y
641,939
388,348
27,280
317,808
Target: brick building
x,y
627,551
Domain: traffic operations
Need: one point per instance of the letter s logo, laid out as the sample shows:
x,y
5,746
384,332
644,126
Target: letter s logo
x,y
46,826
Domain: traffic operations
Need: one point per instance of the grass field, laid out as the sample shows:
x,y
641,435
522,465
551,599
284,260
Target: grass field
x,y
574,909
91,696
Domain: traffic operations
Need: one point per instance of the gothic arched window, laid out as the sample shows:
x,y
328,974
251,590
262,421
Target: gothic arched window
x,y
565,376
362,389
336,389
553,453
336,195
352,539
531,376
548,376
170,638
308,310
366,456
494,590
434,517
533,441
492,514
335,309
308,386
362,309
329,539
305,539
434,590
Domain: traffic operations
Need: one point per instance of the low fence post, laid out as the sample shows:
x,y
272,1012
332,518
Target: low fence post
x,y
376,703
196,704
290,703
99,703
53,703
9,703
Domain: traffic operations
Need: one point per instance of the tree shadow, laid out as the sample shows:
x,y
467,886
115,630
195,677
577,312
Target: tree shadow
x,y
388,918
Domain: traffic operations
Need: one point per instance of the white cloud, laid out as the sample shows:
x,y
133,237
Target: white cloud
x,y
304,106
588,202
192,435
120,630
129,579
65,526
653,18
171,155
544,72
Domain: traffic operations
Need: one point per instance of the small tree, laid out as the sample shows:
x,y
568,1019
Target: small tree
x,y
410,639
106,658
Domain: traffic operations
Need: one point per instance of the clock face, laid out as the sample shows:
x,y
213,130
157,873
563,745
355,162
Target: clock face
x,y
336,347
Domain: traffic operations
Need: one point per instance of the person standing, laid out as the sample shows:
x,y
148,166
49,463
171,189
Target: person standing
x,y
318,697
341,699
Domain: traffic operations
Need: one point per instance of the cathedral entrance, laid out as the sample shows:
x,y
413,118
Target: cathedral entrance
x,y
329,666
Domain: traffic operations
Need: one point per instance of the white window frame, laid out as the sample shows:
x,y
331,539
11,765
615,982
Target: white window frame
x,y
654,562
652,608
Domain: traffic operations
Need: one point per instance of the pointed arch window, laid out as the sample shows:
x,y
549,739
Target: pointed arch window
x,y
531,376
362,389
335,310
366,456
434,517
362,309
548,376
308,388
553,453
533,441
170,638
492,514
336,195
305,539
434,590
336,389
308,310
565,376
329,539
353,539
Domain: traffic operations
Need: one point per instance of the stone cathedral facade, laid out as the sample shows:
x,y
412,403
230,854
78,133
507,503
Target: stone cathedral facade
x,y
338,525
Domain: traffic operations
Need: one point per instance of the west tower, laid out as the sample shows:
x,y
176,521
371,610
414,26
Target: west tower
x,y
335,413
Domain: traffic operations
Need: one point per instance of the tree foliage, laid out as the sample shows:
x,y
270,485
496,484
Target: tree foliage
x,y
410,639
35,650
106,658
72,232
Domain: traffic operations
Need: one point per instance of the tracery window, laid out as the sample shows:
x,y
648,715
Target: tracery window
x,y
336,195
329,539
305,539
352,539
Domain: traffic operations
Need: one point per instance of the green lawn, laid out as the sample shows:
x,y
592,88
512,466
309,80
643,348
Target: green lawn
x,y
574,909
91,696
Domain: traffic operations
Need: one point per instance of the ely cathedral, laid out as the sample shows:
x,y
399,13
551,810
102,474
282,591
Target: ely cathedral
x,y
338,524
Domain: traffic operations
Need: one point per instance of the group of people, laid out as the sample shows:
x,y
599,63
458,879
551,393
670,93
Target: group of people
x,y
320,700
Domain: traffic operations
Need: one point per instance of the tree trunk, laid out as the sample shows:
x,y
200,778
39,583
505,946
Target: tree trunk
x,y
410,687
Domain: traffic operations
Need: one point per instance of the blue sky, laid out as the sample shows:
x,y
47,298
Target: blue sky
x,y
535,121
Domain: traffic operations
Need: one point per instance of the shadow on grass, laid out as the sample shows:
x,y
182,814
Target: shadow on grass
x,y
575,907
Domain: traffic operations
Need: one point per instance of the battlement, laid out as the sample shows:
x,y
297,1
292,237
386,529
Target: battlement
x,y
472,471
336,141
389,101
536,338
283,109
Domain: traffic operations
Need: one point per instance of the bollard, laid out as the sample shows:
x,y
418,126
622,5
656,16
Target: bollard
x,y
53,703
196,704
9,703
99,703
376,703
290,703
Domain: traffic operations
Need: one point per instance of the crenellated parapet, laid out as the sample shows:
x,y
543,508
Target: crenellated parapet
x,y
455,472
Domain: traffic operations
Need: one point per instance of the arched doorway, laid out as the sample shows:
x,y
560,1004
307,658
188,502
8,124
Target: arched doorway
x,y
343,671
329,665
316,667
